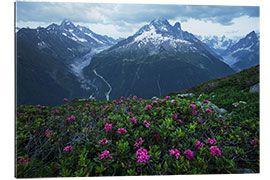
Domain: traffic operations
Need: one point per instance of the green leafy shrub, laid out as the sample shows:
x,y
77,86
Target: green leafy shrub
x,y
123,137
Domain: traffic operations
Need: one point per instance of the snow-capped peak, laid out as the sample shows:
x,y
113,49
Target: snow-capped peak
x,y
67,24
160,35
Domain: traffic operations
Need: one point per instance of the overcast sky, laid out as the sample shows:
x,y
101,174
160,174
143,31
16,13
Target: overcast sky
x,y
123,20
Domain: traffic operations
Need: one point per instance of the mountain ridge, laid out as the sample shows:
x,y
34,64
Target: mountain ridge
x,y
152,47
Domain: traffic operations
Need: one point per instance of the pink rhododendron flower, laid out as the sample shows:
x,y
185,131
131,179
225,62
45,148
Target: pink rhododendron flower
x,y
87,105
67,120
142,155
107,106
168,97
208,110
121,97
108,127
254,142
138,142
56,111
70,107
133,120
100,108
174,101
154,101
65,99
103,141
48,132
147,124
175,116
140,99
119,102
134,97
72,117
22,161
130,113
105,154
148,107
38,106
114,101
199,144
175,152
122,130
68,148
194,112
215,151
211,141
206,101
189,154
164,100
180,121
156,136
193,106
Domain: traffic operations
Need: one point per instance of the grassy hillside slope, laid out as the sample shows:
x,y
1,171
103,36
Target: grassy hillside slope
x,y
132,136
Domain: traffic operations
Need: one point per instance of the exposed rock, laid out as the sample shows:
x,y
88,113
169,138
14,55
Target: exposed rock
x,y
221,111
156,98
185,95
255,88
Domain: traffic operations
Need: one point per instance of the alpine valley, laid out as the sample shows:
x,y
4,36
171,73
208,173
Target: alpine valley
x,y
74,62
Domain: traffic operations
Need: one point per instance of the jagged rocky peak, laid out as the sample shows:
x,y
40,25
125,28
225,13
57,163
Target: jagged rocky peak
x,y
162,26
66,23
252,35
177,26
160,21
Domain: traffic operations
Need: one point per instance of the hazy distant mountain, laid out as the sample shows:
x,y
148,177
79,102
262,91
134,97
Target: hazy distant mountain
x,y
243,54
218,44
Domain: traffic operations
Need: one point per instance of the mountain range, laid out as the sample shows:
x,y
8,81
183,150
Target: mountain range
x,y
157,59
243,54
238,54
46,61
74,62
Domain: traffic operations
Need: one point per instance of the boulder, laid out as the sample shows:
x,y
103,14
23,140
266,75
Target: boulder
x,y
255,88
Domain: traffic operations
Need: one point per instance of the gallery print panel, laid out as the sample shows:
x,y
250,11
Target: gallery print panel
x,y
136,89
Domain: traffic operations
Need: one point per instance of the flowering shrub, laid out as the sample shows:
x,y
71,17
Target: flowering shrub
x,y
105,154
211,141
173,135
148,107
199,144
122,131
189,154
215,151
138,142
142,155
68,148
175,152
103,141
108,127
133,120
